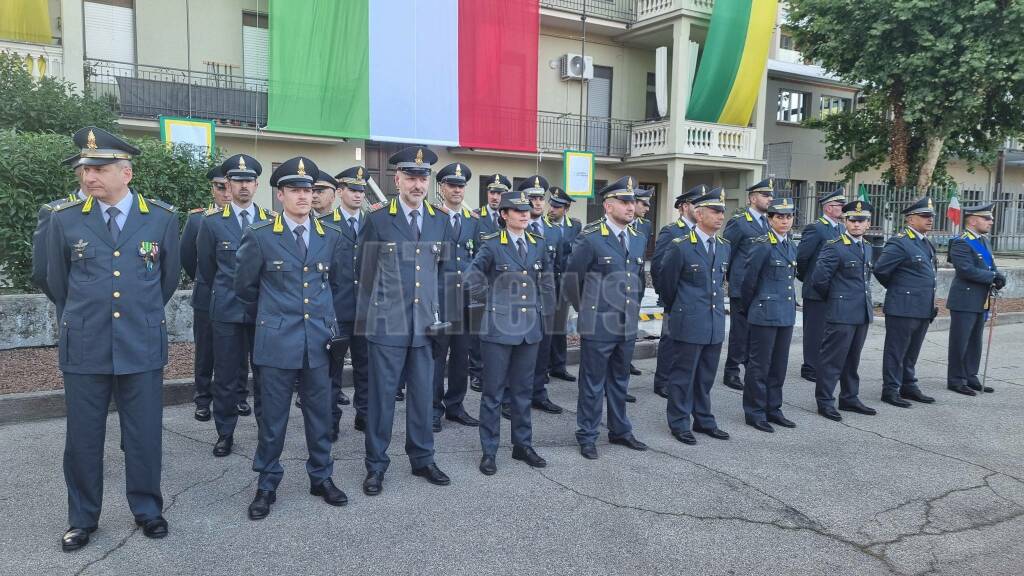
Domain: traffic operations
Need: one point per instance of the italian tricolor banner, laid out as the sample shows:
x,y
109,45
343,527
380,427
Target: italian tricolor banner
x,y
442,72
728,80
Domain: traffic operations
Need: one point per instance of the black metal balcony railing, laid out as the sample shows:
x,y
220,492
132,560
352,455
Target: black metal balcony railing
x,y
618,10
142,91
603,136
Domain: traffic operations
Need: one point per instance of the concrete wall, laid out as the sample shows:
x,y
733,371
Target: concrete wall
x,y
213,30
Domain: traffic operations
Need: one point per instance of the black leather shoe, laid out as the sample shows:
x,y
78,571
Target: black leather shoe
x,y
859,408
629,442
223,446
562,375
202,414
630,397
330,493
547,406
961,389
808,375
464,419
529,455
896,401
373,484
475,384
506,411
260,507
684,437
487,465
436,426
588,451
661,392
716,433
916,395
75,538
980,388
760,425
432,474
400,395
782,421
634,370
153,528
733,381
360,423
335,432
831,413
243,408
343,399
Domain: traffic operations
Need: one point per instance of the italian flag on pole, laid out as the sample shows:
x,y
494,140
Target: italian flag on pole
x,y
441,72
953,211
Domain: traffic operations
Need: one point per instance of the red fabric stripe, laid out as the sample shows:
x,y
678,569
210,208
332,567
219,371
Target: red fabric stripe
x,y
498,74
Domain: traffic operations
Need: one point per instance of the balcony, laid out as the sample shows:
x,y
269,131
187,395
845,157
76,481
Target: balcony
x,y
629,11
149,92
40,59
648,9
707,139
650,138
607,137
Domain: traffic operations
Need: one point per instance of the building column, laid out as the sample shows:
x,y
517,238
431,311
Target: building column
x,y
675,186
73,41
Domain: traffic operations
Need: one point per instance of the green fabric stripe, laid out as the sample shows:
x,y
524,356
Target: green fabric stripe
x,y
319,68
716,71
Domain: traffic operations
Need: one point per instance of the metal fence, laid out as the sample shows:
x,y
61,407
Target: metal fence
x,y
142,91
889,202
603,136
619,10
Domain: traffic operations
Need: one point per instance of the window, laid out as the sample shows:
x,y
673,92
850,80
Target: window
x,y
786,40
833,104
651,110
794,107
255,46
595,205
116,20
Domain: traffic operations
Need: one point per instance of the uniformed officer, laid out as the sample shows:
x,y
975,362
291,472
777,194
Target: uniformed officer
x,y
690,279
535,187
512,275
907,269
202,329
669,232
287,272
452,351
219,237
644,227
42,219
826,227
740,230
324,192
770,299
350,217
604,283
490,221
559,202
975,280
112,264
400,292
843,278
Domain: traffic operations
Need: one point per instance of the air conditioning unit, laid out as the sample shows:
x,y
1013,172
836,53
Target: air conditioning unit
x,y
576,67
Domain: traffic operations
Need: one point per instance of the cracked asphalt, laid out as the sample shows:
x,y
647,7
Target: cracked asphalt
x,y
935,489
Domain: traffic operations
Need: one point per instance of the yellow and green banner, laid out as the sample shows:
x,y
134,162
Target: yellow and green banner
x,y
728,79
26,21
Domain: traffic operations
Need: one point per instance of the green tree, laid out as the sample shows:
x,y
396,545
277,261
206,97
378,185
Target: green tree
x,y
47,104
941,79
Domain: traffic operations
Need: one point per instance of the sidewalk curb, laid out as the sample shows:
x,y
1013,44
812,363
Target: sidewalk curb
x,y
30,406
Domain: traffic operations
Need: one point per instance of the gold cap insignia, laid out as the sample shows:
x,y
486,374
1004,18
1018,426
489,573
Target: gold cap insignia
x,y
722,196
497,178
90,141
419,156
241,163
629,183
522,196
785,203
703,189
859,207
771,183
930,206
359,173
302,168
458,170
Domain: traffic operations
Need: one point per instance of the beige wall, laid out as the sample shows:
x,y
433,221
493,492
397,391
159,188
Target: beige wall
x,y
214,32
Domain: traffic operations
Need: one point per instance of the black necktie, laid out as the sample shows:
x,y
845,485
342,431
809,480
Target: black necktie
x,y
354,224
535,228
413,217
299,230
245,219
522,249
456,225
622,241
764,225
711,248
115,230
